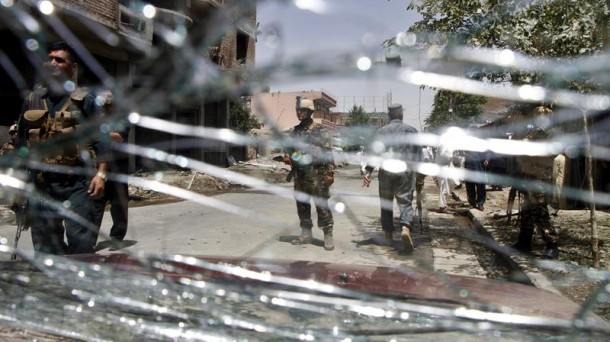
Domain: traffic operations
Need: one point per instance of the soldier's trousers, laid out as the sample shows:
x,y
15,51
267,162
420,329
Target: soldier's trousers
x,y
117,194
64,205
399,186
311,186
536,216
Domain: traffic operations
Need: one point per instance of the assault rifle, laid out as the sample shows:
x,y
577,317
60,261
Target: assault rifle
x,y
290,175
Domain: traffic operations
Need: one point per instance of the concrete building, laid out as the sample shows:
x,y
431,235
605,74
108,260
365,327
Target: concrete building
x,y
277,109
119,46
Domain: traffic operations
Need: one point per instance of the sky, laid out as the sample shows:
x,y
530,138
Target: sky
x,y
318,27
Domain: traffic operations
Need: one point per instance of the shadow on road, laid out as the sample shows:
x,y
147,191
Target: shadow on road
x,y
289,238
114,245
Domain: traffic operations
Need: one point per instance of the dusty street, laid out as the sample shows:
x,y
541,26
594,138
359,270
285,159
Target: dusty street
x,y
255,223
226,219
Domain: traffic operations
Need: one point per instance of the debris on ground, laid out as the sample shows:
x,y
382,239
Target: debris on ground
x,y
264,168
575,279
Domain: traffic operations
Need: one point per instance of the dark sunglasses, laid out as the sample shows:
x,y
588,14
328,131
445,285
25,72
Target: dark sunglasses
x,y
57,59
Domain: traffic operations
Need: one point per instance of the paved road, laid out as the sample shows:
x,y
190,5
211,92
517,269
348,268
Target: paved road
x,y
258,223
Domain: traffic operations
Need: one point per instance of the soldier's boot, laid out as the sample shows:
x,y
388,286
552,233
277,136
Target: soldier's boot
x,y
328,239
405,235
552,251
524,240
305,238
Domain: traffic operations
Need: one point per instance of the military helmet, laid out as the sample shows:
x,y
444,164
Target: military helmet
x,y
12,129
306,103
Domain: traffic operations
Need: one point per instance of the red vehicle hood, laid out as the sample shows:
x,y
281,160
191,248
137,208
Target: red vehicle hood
x,y
405,283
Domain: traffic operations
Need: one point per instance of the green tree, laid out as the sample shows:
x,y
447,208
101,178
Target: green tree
x,y
560,29
357,117
455,109
357,130
240,118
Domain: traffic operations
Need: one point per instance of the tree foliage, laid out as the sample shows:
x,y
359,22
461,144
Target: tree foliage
x,y
454,109
562,30
550,29
357,116
240,118
557,30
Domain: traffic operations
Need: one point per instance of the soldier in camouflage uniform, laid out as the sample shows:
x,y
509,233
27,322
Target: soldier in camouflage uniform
x,y
313,169
537,171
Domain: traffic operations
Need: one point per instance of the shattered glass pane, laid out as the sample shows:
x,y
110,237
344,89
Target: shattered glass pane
x,y
205,94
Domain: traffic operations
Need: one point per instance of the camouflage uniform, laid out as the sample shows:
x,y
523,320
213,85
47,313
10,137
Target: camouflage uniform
x,y
310,165
534,212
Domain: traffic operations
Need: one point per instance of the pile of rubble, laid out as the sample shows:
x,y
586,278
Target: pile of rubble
x,y
269,168
265,168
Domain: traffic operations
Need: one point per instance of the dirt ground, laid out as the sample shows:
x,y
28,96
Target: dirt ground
x,y
576,278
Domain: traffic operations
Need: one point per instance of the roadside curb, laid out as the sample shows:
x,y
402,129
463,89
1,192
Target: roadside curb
x,y
452,253
516,261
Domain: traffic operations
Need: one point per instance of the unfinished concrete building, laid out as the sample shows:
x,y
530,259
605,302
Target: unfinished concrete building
x,y
142,58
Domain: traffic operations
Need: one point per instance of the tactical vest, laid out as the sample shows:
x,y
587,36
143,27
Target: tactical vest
x,y
42,126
